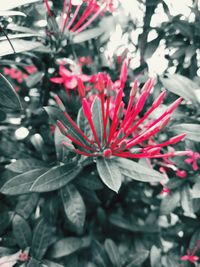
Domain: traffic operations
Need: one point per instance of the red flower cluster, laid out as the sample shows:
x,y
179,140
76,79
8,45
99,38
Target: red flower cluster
x,y
79,21
18,75
124,135
70,79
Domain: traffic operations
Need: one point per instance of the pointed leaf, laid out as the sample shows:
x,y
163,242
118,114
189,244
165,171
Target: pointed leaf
x,y
65,247
97,118
192,130
196,190
187,201
21,183
26,204
137,171
109,173
138,258
23,165
155,257
74,206
113,252
33,263
181,86
10,4
41,239
19,46
11,13
22,232
56,177
169,203
56,114
8,97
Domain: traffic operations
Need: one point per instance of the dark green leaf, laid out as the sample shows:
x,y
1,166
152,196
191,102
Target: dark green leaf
x,y
181,86
8,97
151,47
19,46
24,165
47,263
65,247
137,171
33,263
98,254
196,190
87,35
186,201
4,221
192,130
56,178
56,114
41,239
10,4
26,204
22,232
138,258
155,257
109,173
194,240
74,206
21,183
169,203
34,78
11,13
113,252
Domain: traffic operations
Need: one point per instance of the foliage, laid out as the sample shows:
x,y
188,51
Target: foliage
x,y
99,165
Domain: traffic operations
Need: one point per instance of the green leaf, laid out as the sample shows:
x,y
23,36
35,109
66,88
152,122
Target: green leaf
x,y
109,173
21,183
74,206
56,177
192,130
47,263
24,165
186,201
34,79
33,263
113,252
19,45
22,232
11,13
137,171
8,97
87,35
98,254
169,203
138,258
195,192
4,221
26,204
65,247
10,4
194,240
41,239
155,257
151,47
97,118
56,114
180,86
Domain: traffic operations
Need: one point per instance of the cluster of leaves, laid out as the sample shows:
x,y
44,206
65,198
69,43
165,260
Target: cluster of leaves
x,y
57,209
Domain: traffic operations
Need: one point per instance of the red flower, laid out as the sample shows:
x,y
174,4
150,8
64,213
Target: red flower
x,y
122,136
190,256
70,79
193,157
79,21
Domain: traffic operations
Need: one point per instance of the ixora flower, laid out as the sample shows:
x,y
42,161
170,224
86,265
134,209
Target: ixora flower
x,y
74,19
124,135
70,79
191,256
